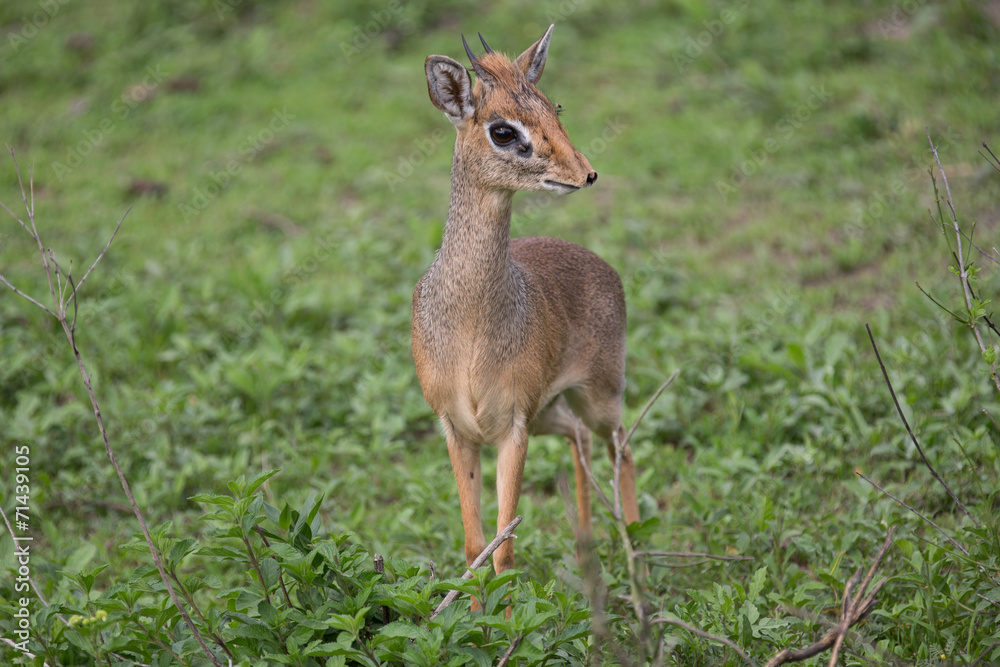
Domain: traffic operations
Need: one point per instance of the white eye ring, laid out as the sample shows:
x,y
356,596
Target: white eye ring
x,y
520,130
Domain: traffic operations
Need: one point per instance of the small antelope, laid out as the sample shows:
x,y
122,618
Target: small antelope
x,y
521,336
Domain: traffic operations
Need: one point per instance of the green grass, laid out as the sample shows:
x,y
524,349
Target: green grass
x,y
763,198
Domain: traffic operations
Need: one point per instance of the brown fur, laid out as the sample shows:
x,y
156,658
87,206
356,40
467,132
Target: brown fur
x,y
515,336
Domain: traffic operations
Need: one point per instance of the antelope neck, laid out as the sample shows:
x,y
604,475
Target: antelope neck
x,y
473,268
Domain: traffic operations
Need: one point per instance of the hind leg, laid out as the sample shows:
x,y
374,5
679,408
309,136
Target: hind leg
x,y
603,415
630,502
558,419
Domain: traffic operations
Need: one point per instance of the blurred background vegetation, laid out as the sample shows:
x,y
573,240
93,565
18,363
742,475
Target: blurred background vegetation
x,y
763,193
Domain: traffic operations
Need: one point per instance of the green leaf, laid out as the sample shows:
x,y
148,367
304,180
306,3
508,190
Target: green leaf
x,y
757,583
746,631
404,629
255,483
502,579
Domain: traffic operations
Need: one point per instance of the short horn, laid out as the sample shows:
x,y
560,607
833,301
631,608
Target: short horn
x,y
472,58
485,45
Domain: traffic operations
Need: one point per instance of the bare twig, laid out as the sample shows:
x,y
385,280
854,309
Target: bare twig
x,y
707,635
614,508
913,437
649,404
995,163
25,296
585,464
79,285
504,535
855,608
963,272
11,643
34,586
915,511
686,554
988,649
59,303
991,419
510,651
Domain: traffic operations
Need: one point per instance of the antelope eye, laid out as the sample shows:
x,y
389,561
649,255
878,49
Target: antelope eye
x,y
502,134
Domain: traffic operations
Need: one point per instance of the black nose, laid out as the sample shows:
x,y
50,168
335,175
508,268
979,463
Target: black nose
x,y
591,177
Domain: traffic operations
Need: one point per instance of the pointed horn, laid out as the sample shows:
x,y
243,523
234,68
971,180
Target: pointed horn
x,y
472,58
468,51
485,45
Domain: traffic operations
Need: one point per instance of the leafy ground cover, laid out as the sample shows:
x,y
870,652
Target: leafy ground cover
x,y
764,193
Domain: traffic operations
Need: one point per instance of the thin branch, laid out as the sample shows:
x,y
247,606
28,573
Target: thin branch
x,y
686,554
991,419
963,272
852,612
510,651
701,633
982,656
917,512
60,316
12,644
909,430
585,464
649,404
504,535
79,285
996,163
942,306
25,296
34,586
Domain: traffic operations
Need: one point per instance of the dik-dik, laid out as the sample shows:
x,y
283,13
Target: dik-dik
x,y
520,336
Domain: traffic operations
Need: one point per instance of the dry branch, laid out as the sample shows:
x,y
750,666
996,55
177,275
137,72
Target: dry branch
x,y
686,554
963,272
60,301
510,651
856,607
917,512
614,508
707,635
504,535
913,437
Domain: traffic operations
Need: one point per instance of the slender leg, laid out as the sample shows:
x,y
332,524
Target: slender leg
x,y
584,532
465,464
510,472
560,419
630,504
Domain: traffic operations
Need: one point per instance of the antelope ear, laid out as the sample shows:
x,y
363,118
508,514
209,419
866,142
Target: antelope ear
x,y
532,61
450,88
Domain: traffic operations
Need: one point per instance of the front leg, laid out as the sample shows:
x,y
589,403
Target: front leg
x,y
511,454
464,457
